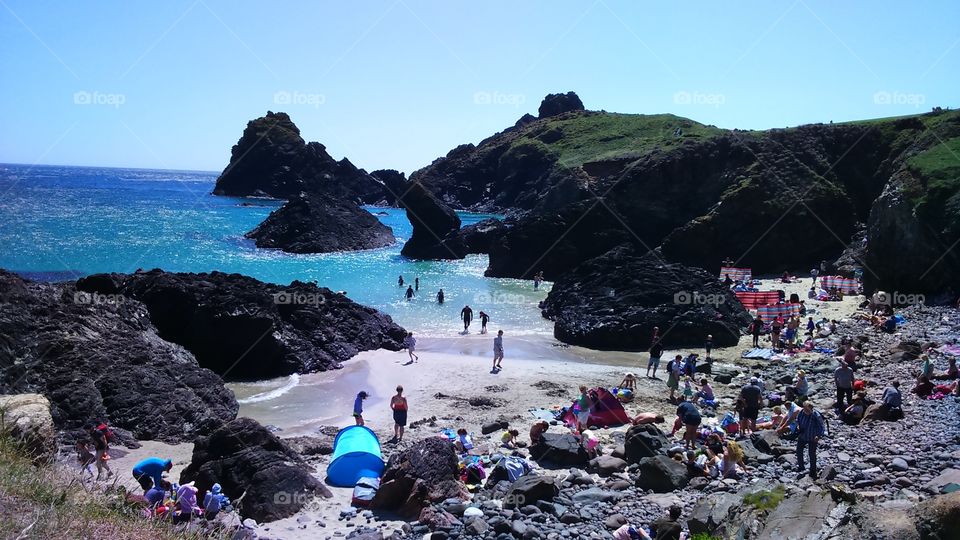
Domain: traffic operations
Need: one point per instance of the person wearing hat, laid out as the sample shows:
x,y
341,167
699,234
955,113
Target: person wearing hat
x,y
358,407
215,501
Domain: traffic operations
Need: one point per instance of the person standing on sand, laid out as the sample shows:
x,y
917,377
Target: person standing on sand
x,y
410,343
400,281
498,350
584,404
813,274
708,346
756,327
358,407
416,283
101,446
466,315
484,319
399,405
673,377
656,351
409,293
440,297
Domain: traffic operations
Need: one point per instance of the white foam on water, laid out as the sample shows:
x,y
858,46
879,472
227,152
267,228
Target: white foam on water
x,y
291,383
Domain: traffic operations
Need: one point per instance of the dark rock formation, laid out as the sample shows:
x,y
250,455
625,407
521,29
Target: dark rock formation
x,y
272,159
531,489
319,223
555,104
432,220
426,472
644,441
476,238
243,456
245,329
559,449
615,300
98,356
394,184
661,474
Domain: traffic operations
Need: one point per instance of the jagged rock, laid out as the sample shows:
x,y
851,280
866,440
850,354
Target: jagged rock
x,y
643,441
243,456
425,473
555,104
244,329
476,238
798,516
311,445
661,474
50,333
319,223
530,489
614,301
272,159
560,449
26,418
432,220
394,183
711,512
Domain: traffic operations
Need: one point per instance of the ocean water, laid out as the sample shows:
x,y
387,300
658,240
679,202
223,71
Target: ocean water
x,y
60,223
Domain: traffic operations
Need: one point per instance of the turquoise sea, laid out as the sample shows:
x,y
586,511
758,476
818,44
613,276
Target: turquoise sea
x,y
62,222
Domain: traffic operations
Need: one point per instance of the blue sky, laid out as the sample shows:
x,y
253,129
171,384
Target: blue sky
x,y
398,83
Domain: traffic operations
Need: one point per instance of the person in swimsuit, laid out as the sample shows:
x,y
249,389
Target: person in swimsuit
x,y
484,318
466,315
409,293
399,405
440,296
400,281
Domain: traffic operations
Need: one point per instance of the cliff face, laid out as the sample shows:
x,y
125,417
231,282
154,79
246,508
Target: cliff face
x,y
577,183
272,159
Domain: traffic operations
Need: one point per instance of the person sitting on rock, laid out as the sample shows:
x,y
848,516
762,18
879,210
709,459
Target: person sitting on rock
x,y
186,503
858,407
215,502
706,393
648,418
728,464
788,427
537,430
668,527
775,420
463,443
798,391
926,366
696,467
950,373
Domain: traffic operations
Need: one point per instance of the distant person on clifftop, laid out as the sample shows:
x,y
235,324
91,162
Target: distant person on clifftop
x,y
410,343
498,350
358,407
400,281
466,315
484,319
440,296
409,293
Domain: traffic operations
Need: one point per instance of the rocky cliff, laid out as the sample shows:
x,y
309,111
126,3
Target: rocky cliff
x,y
243,329
319,223
432,222
578,183
100,357
272,159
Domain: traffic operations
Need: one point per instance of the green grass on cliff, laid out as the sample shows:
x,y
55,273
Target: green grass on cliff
x,y
49,502
596,136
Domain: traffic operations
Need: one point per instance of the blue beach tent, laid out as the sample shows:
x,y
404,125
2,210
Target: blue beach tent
x,y
356,454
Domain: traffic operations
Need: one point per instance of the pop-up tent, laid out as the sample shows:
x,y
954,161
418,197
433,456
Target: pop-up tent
x,y
605,412
356,454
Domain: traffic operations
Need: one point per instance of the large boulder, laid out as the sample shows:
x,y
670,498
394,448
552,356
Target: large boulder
x,y
643,441
555,104
244,457
432,221
938,517
607,465
319,223
394,184
799,516
559,449
245,329
425,473
26,418
272,159
531,489
614,301
710,513
661,474
131,378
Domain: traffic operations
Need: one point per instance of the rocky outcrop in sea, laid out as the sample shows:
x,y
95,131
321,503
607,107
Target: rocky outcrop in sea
x,y
319,223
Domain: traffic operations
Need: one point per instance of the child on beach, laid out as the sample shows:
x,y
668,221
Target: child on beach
x,y
463,443
410,343
509,438
86,458
358,407
687,389
629,382
537,430
497,351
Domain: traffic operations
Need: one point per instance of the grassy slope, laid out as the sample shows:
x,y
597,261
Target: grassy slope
x,y
58,506
596,136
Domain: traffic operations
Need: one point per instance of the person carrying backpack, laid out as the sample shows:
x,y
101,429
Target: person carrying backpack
x,y
811,426
100,436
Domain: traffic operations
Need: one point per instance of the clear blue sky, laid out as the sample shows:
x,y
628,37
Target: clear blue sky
x,y
395,84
